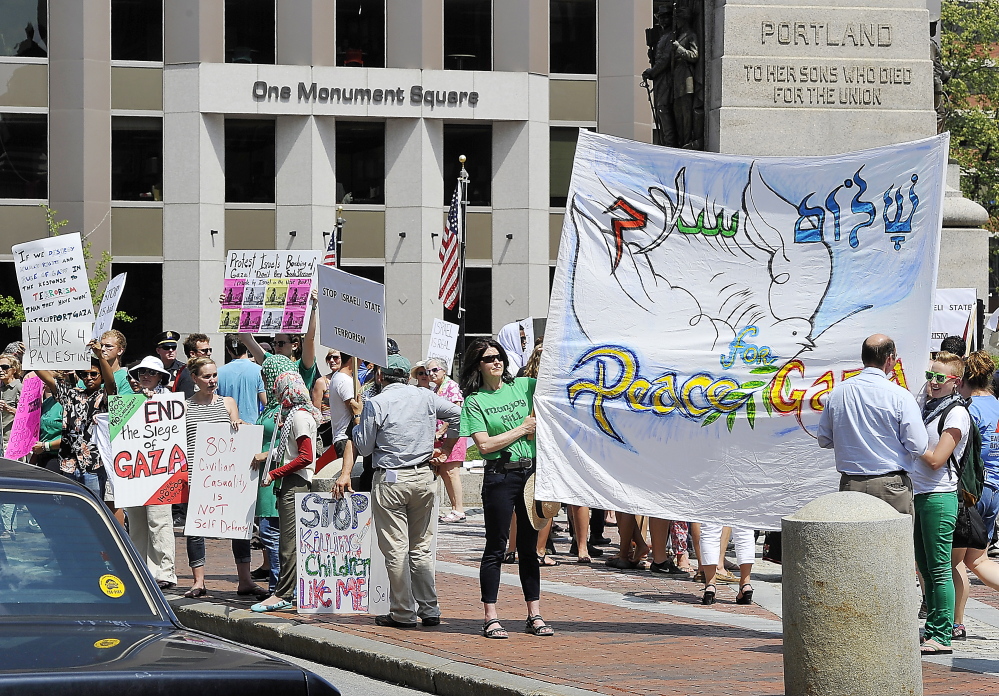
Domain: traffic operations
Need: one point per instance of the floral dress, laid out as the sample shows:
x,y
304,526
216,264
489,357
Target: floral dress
x,y
79,408
452,392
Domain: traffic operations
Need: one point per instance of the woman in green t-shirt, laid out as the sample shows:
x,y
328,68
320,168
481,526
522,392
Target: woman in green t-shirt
x,y
497,414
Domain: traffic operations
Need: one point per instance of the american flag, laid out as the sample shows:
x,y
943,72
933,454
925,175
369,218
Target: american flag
x,y
330,258
448,253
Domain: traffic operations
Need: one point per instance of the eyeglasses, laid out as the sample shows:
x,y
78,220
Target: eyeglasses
x,y
88,374
490,358
145,372
435,370
202,351
937,377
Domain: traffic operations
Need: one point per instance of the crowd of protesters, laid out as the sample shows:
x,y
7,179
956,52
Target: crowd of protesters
x,y
395,428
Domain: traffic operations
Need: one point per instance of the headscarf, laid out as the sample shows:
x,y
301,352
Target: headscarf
x,y
269,371
292,395
509,338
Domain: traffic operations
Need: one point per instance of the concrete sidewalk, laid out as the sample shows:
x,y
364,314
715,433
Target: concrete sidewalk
x,y
616,632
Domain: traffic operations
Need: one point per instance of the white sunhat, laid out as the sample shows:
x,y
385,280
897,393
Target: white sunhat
x,y
151,362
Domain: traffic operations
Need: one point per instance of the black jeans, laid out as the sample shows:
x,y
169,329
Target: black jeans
x,y
502,493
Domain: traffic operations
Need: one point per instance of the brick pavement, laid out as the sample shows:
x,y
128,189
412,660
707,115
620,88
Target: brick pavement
x,y
600,647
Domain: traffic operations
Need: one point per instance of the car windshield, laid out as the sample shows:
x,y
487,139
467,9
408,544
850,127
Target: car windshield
x,y
60,560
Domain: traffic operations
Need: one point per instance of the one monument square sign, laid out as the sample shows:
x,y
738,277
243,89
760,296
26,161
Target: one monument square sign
x,y
817,79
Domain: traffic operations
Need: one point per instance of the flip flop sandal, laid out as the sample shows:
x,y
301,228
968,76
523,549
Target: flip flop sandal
x,y
497,632
543,561
931,647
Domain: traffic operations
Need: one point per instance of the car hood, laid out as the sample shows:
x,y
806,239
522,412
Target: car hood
x,y
123,659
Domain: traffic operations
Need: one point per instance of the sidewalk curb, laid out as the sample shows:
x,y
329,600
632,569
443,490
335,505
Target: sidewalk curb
x,y
371,658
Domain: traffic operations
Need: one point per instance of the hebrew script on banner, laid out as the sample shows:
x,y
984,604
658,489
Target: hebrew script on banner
x,y
703,307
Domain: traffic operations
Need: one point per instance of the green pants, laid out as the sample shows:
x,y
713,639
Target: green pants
x,y
936,514
287,546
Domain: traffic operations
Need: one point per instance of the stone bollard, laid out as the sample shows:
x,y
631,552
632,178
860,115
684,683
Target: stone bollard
x,y
850,599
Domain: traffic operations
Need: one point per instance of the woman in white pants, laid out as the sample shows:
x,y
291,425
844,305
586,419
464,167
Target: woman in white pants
x,y
745,554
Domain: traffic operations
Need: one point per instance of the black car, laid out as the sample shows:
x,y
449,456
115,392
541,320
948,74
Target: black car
x,y
80,614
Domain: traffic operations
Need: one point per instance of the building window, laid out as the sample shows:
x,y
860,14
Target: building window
x,y
360,162
360,33
136,158
23,28
562,150
476,143
573,45
478,303
137,30
24,156
142,301
249,31
468,34
249,161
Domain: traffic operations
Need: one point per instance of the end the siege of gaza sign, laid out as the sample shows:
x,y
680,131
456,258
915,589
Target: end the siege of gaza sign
x,y
148,449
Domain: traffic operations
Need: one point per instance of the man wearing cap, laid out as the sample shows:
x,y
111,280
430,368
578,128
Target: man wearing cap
x,y
397,427
166,349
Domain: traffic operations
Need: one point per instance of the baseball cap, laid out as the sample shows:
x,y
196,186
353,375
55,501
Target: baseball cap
x,y
397,366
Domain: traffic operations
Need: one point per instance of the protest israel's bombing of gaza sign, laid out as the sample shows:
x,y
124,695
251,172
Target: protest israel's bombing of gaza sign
x,y
267,291
703,307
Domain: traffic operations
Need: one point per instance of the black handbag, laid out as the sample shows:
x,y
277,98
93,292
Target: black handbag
x,y
969,530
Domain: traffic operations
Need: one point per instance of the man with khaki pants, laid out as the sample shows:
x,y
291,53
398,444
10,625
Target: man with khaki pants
x,y
397,427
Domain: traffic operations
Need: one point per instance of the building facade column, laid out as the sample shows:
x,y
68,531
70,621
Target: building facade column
x,y
305,181
306,31
79,163
414,34
520,36
622,104
520,212
193,169
414,193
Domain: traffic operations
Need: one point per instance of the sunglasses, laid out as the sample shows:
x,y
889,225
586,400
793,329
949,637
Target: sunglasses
x,y
88,374
332,357
435,370
490,358
164,346
937,377
203,351
421,374
282,343
145,372
4,367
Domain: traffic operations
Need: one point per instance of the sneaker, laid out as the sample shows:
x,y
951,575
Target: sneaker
x,y
960,633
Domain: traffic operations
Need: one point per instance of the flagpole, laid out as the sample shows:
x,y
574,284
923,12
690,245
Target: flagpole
x,y
338,231
463,183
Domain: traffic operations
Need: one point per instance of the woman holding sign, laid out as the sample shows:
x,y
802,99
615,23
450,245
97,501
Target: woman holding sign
x,y
10,392
497,415
296,460
206,406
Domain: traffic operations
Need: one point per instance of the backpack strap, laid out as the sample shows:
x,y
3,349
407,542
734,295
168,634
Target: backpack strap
x,y
952,463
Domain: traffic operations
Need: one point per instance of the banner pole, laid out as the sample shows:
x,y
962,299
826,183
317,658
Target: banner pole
x,y
463,183
338,231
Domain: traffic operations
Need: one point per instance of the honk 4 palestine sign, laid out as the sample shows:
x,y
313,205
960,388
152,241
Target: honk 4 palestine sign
x,y
267,291
705,305
52,279
148,449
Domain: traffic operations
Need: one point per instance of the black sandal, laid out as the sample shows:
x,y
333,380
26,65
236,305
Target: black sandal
x,y
498,632
709,595
745,595
510,557
542,630
543,561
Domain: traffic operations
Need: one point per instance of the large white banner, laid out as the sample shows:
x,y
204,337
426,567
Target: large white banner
x,y
704,305
223,493
52,277
953,315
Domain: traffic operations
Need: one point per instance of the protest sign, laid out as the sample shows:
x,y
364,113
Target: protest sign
x,y
352,315
148,464
61,346
334,538
704,306
109,305
27,419
953,309
443,341
223,493
267,291
52,278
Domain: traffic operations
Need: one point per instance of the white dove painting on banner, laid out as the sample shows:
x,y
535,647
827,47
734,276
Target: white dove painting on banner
x,y
704,305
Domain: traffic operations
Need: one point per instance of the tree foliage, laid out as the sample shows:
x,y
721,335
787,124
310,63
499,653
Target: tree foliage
x,y
11,309
970,109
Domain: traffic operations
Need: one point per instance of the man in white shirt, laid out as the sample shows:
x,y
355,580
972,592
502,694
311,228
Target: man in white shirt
x,y
875,429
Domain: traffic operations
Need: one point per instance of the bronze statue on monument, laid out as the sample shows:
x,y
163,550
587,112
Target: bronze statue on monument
x,y
677,95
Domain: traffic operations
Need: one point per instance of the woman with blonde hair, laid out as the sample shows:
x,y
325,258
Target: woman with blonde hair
x,y
10,392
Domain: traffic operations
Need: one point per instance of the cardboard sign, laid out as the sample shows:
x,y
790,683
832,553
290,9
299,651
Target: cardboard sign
x,y
223,493
52,278
334,538
148,464
352,315
109,305
27,419
61,346
953,309
443,341
267,291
